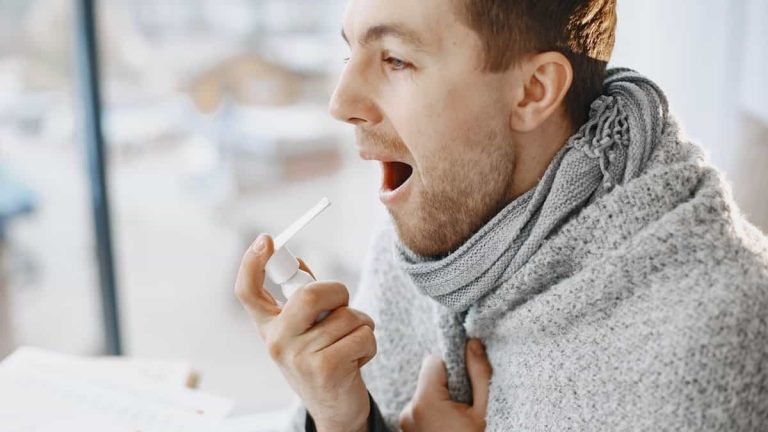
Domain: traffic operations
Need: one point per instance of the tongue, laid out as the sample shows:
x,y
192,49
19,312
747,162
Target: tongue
x,y
396,174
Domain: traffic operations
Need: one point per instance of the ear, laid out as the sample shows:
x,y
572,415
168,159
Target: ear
x,y
546,79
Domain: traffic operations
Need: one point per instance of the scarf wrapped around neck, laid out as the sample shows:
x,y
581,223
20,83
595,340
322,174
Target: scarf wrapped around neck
x,y
611,148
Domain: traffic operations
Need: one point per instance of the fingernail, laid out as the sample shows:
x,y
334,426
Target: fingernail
x,y
259,245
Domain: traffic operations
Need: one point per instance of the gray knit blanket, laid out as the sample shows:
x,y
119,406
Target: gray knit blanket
x,y
614,146
624,292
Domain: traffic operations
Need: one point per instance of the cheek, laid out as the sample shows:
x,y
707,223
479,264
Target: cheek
x,y
420,118
461,129
443,125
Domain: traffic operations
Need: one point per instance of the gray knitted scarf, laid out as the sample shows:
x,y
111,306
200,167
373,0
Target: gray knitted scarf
x,y
613,147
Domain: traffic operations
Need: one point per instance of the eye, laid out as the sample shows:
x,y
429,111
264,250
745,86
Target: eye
x,y
346,60
397,64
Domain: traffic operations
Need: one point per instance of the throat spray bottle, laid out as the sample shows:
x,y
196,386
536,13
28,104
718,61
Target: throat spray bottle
x,y
283,267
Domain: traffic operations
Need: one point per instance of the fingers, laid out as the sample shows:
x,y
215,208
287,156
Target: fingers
x,y
360,346
433,380
432,388
249,287
479,370
302,309
335,326
407,423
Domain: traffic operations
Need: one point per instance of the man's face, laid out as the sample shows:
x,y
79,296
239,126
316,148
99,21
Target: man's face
x,y
415,89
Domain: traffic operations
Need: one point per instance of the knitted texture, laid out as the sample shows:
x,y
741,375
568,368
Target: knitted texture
x,y
615,144
624,292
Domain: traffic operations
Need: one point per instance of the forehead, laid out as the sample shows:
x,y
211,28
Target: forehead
x,y
433,21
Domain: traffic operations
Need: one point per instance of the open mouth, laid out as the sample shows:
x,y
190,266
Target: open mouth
x,y
396,174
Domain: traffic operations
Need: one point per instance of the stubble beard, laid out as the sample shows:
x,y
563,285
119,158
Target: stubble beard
x,y
463,195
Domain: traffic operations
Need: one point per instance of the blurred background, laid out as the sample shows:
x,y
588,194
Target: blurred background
x,y
216,129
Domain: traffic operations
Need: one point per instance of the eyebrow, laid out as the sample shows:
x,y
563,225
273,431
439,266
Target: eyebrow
x,y
381,31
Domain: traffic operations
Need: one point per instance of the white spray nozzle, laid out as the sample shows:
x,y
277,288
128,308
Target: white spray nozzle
x,y
283,265
295,227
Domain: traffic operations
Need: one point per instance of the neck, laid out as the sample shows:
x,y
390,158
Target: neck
x,y
535,150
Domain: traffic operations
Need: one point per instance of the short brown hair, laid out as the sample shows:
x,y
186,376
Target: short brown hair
x,y
582,30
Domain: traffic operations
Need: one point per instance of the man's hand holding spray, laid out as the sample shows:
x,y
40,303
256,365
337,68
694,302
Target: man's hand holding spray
x,y
320,344
316,339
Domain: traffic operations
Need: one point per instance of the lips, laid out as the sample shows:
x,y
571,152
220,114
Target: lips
x,y
396,183
395,175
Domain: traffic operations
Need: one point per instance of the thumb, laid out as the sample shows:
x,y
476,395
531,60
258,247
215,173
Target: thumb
x,y
433,380
249,286
479,370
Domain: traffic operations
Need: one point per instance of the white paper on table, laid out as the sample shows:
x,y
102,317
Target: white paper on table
x,y
114,369
40,396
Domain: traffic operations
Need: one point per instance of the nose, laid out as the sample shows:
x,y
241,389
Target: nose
x,y
352,100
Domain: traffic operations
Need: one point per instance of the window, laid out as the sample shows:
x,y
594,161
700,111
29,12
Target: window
x,y
216,129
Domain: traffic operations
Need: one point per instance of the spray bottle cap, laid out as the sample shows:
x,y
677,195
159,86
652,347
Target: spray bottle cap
x,y
283,264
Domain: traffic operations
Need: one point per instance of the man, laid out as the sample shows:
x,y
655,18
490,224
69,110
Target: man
x,y
572,260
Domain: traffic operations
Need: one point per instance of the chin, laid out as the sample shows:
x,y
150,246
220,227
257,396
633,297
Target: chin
x,y
435,229
424,238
